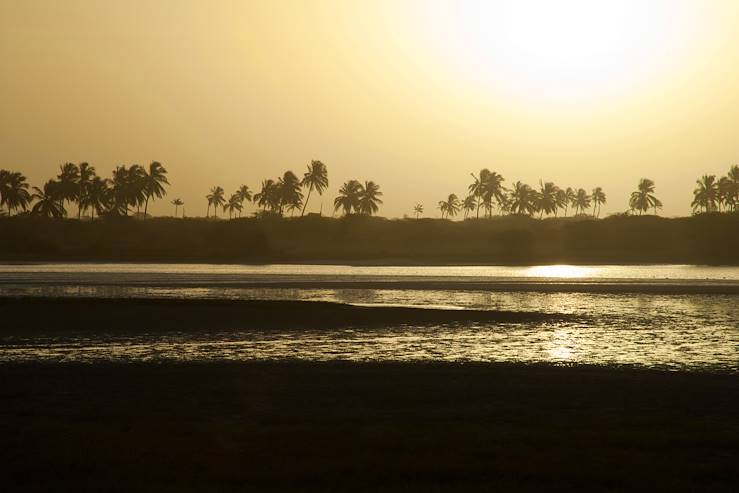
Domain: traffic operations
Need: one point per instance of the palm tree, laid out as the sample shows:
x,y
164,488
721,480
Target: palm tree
x,y
153,183
369,198
316,178
48,203
418,209
123,190
13,191
97,196
546,198
488,185
177,203
561,201
725,193
706,195
468,205
523,199
268,196
599,198
290,195
643,198
450,206
68,179
244,195
582,201
733,188
86,175
348,198
137,186
570,199
233,204
215,199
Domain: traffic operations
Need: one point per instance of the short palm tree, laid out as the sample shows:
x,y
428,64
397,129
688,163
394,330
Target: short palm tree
x,y
244,195
570,198
369,198
546,198
13,191
268,196
418,209
289,192
86,176
348,198
561,200
216,199
177,203
706,194
486,187
48,202
316,178
726,193
523,199
469,204
643,198
450,206
68,179
233,204
153,183
97,196
599,198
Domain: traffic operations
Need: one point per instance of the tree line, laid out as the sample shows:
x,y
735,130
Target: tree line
x,y
713,195
129,188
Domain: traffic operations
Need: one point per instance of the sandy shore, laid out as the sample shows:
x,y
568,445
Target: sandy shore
x,y
349,427
20,315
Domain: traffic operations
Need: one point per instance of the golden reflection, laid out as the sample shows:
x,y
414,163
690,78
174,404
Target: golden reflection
x,y
561,346
567,271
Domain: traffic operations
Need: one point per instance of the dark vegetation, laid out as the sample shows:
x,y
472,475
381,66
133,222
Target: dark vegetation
x,y
705,238
365,427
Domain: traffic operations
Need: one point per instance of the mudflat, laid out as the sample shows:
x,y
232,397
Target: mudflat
x,y
345,427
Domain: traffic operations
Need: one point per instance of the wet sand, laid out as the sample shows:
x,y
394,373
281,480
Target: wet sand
x,y
364,427
69,315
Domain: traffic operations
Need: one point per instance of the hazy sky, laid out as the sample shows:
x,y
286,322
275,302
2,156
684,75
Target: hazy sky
x,y
413,95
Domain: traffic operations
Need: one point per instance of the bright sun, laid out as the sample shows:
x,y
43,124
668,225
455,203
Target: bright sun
x,y
561,48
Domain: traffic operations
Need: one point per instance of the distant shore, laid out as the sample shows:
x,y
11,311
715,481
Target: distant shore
x,y
711,239
366,427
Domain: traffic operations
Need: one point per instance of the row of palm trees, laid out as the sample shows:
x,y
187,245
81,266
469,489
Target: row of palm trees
x,y
713,195
285,194
129,188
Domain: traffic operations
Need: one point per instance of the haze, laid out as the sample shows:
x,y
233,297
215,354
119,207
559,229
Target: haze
x,y
412,95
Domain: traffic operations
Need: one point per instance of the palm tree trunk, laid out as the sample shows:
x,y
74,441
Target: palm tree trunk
x,y
207,211
479,203
306,201
146,206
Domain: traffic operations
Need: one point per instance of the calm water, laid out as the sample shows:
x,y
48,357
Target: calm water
x,y
675,331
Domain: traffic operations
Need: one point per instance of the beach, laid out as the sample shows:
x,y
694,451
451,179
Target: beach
x,y
335,427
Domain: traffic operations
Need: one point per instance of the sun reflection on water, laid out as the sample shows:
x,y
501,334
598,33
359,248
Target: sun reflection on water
x,y
560,271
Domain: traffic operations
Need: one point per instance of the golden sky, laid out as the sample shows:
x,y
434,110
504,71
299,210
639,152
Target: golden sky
x,y
414,95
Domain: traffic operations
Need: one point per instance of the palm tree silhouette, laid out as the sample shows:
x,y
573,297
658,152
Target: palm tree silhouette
x,y
97,196
582,201
418,209
233,204
450,206
153,183
733,176
570,198
523,199
177,203
68,179
369,198
268,196
643,198
599,198
316,178
86,175
48,200
546,198
13,191
244,195
725,193
290,195
348,198
486,187
215,199
706,194
124,189
469,204
561,201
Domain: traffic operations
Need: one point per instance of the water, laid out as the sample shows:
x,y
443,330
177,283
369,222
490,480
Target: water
x,y
682,330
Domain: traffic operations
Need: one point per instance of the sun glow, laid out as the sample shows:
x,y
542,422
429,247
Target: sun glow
x,y
564,48
563,271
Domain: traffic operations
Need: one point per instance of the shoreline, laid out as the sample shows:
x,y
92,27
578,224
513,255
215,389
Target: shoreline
x,y
296,426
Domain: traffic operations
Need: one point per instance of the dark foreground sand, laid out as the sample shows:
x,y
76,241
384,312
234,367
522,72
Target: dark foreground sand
x,y
348,427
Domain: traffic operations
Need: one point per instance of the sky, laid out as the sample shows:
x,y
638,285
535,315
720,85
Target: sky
x,y
414,95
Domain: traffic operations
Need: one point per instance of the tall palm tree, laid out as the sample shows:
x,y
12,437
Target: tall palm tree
x,y
523,199
570,198
244,194
643,198
488,185
582,201
13,191
97,196
469,204
599,198
316,178
86,175
153,183
706,195
561,201
546,198
369,198
127,188
348,198
68,179
177,203
215,199
268,196
450,206
48,203
233,204
418,209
